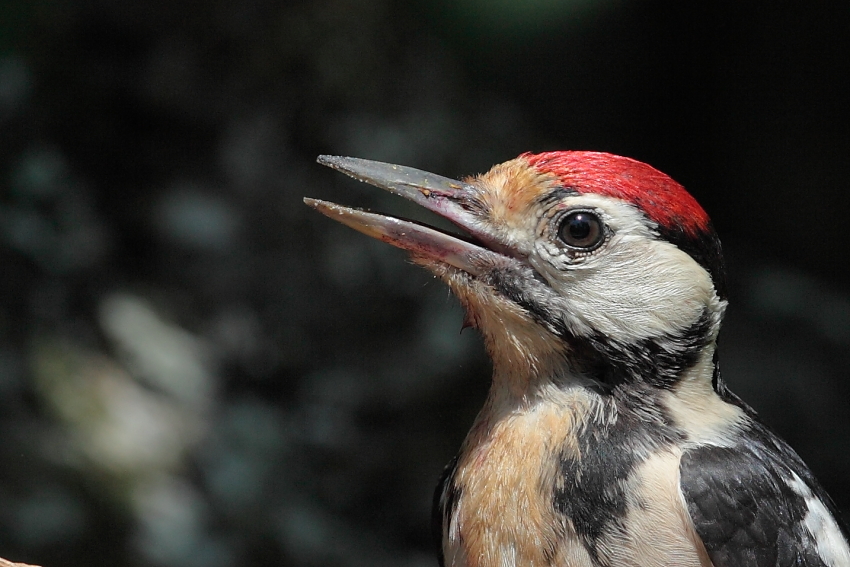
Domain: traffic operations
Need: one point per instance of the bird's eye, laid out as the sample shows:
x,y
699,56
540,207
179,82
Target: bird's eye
x,y
581,229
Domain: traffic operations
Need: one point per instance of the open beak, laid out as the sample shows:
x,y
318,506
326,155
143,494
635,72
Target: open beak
x,y
449,198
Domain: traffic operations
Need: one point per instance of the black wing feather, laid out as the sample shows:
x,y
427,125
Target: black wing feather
x,y
742,505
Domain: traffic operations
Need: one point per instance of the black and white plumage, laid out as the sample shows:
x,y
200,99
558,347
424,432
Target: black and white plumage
x,y
608,438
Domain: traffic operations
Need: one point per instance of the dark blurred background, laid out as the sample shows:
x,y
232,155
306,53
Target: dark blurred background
x,y
198,370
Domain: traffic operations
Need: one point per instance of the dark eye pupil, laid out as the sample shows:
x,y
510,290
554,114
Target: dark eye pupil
x,y
581,229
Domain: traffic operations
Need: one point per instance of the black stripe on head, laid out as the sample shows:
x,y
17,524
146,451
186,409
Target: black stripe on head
x,y
705,249
658,361
556,195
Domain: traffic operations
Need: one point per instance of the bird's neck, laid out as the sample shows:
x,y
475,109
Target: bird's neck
x,y
697,410
524,354
530,367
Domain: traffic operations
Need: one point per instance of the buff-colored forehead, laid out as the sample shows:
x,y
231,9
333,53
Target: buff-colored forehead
x,y
509,190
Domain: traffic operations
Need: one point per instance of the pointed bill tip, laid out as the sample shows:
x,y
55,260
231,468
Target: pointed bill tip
x,y
384,175
373,172
330,161
418,239
326,207
371,224
408,182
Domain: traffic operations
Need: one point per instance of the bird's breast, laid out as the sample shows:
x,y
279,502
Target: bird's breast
x,y
505,480
567,482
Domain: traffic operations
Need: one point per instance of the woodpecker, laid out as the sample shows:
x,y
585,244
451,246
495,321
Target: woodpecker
x,y
608,437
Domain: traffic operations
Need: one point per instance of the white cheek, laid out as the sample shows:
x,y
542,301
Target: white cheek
x,y
637,288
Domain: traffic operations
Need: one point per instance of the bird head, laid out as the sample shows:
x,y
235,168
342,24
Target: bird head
x,y
578,266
